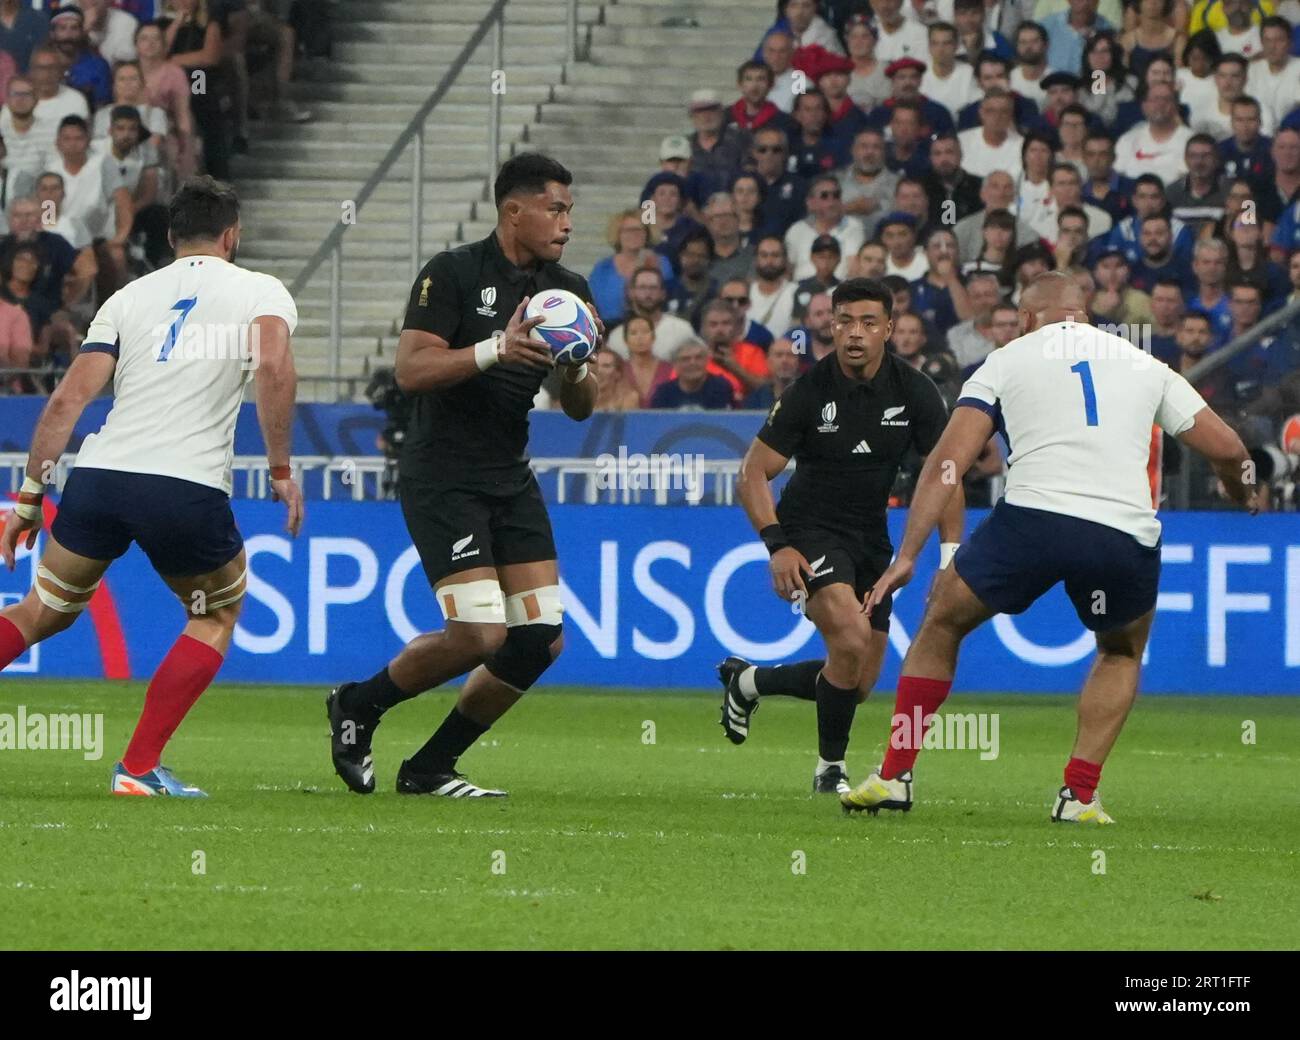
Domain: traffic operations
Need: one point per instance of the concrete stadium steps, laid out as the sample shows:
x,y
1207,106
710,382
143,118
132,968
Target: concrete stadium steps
x,y
603,117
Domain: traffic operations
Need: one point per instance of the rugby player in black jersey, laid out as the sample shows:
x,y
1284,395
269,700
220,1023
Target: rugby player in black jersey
x,y
471,503
848,423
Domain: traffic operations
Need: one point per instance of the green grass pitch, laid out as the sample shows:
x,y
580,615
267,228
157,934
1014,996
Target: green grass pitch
x,y
608,841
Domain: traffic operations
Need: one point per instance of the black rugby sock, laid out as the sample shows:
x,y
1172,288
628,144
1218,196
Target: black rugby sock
x,y
456,734
375,695
835,709
789,680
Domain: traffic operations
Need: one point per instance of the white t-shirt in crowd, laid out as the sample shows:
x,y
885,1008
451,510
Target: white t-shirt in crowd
x,y
916,267
27,150
981,158
180,335
1137,152
67,102
1029,88
1077,405
910,40
1247,44
775,311
1278,92
849,233
955,92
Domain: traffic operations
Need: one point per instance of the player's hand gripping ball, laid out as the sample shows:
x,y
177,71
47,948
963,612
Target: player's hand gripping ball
x,y
568,328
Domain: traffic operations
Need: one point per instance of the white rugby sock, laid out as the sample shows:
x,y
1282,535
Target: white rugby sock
x,y
745,683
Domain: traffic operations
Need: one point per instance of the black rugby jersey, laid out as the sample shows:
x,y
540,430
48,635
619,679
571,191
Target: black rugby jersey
x,y
476,432
848,439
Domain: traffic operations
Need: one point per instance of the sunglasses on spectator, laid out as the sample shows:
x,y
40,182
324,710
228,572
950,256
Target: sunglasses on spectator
x,y
737,299
829,194
765,148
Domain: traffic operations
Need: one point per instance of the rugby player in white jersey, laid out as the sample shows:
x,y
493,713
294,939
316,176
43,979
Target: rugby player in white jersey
x,y
1076,407
179,346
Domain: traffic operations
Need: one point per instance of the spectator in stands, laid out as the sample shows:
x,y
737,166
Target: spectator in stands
x,y
1275,81
1247,153
167,88
193,42
275,39
939,296
613,393
970,341
1245,307
131,164
826,257
1229,84
644,372
754,109
907,149
998,251
1067,193
1031,260
1070,247
670,224
741,363
646,297
1107,82
778,51
1149,198
1103,187
90,197
694,286
85,69
992,71
21,30
19,276
1115,300
994,144
866,186
630,240
845,119
826,216
1153,33
693,388
783,191
870,261
771,294
28,141
1061,90
54,215
716,149
1067,31
128,89
953,194
675,158
868,85
910,344
1166,312
949,82
1160,69
815,338
1196,337
15,339
783,369
1157,145
997,192
974,36
1239,35
898,234
1199,198
898,37
808,27
14,182
1071,131
812,146
54,100
1210,270
910,198
1248,262
1031,62
1195,75
1156,257
64,276
905,86
1034,185
731,258
735,291
747,196
110,30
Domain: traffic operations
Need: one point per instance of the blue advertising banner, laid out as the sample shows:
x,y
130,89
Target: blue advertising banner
x,y
656,597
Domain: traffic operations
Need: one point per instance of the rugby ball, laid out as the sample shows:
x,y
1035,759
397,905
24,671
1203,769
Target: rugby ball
x,y
567,325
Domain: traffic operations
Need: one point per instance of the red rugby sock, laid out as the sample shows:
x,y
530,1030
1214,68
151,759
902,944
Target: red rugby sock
x,y
12,643
915,701
1082,778
182,677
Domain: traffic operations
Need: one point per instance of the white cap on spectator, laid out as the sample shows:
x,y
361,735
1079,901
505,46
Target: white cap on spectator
x,y
702,99
674,146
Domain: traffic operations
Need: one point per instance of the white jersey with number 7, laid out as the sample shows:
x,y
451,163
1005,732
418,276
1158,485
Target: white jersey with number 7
x,y
1076,406
181,336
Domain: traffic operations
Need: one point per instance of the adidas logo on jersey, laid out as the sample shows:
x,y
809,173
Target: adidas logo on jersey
x,y
861,448
890,417
459,551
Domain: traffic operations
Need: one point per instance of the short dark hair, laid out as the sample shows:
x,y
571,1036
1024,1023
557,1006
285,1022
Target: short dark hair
x,y
528,172
1168,282
855,290
947,27
1149,178
76,121
894,283
125,112
1230,59
1201,139
1198,316
991,58
1072,211
749,66
1032,27
967,5
696,234
1246,99
1273,21
1244,283
202,208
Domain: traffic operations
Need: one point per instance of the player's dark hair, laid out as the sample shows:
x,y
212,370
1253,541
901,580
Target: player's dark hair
x,y
202,208
856,290
528,172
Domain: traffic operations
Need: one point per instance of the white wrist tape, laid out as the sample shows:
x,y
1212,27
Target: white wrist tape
x,y
487,352
29,510
575,373
947,550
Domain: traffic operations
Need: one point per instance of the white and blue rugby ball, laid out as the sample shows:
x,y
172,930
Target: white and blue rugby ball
x,y
567,325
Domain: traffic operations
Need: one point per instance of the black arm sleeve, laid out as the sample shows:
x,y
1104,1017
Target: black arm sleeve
x,y
435,302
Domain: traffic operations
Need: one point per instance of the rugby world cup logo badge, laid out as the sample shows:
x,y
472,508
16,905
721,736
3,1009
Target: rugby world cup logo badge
x,y
489,298
828,419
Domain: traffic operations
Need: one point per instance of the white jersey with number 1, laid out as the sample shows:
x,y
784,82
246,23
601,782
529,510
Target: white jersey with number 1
x,y
181,336
1076,406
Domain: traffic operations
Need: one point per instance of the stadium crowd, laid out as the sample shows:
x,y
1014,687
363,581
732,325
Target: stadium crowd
x,y
957,148
106,105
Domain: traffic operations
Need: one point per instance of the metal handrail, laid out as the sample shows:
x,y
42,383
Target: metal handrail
x,y
332,245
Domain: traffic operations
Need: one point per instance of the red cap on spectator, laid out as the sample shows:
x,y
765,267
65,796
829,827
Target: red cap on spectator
x,y
898,64
834,63
809,60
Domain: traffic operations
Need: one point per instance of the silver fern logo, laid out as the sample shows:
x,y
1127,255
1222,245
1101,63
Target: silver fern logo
x,y
459,548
